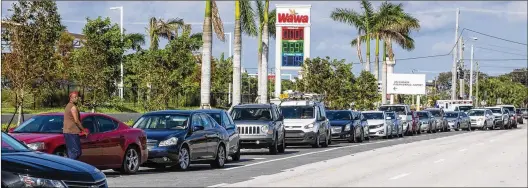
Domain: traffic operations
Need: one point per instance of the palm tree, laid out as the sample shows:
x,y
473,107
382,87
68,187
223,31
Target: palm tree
x,y
266,29
165,29
212,19
362,22
244,22
134,41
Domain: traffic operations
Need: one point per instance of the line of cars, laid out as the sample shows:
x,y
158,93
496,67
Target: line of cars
x,y
176,138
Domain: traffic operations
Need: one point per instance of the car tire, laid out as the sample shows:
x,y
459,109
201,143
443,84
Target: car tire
x,y
236,156
61,151
184,159
368,136
130,164
361,136
221,157
282,147
330,139
325,143
273,149
317,143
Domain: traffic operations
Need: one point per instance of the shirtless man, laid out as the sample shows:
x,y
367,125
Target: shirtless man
x,y
72,127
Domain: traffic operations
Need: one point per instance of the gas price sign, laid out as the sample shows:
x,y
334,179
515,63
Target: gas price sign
x,y
292,46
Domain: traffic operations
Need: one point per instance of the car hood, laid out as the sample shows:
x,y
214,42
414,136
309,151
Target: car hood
x,y
160,135
251,122
42,165
298,122
497,115
451,119
36,137
375,121
340,122
476,117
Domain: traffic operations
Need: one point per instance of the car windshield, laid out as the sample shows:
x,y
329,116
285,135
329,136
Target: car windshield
x,y
436,113
217,117
297,112
495,110
476,113
373,115
339,115
400,110
524,110
464,108
41,124
262,114
511,109
451,115
162,121
422,115
10,144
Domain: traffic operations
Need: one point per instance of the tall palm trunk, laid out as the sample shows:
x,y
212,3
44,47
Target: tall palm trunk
x,y
237,56
265,43
205,86
359,50
376,58
259,66
384,75
367,64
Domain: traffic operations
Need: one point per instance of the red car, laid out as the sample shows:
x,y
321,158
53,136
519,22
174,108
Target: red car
x,y
110,144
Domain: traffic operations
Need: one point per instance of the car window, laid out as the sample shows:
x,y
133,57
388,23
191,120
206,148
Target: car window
x,y
41,124
206,122
197,121
225,119
106,124
323,111
89,123
262,114
217,117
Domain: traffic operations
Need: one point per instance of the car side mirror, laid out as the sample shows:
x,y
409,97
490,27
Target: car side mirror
x,y
198,128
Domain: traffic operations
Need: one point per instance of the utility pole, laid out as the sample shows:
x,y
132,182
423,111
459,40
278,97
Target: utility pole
x,y
461,67
121,85
454,68
477,88
471,75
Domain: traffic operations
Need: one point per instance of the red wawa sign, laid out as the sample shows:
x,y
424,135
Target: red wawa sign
x,y
292,17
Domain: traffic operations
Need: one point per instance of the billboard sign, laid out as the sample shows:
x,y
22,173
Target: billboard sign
x,y
410,84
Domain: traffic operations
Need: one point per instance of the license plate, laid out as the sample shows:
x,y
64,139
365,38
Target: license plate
x,y
336,130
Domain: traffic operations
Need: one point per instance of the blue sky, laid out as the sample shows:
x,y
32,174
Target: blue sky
x,y
506,19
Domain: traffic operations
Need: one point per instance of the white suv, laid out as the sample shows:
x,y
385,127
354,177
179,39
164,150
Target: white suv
x,y
306,123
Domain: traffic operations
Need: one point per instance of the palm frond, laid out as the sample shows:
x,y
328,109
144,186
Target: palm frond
x,y
260,10
354,42
247,18
272,18
348,16
218,25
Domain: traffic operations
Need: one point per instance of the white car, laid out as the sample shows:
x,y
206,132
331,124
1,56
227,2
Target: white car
x,y
481,118
379,122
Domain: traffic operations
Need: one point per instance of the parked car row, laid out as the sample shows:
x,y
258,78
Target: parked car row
x,y
179,138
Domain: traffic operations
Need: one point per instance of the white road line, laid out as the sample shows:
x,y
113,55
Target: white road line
x,y
438,161
219,185
258,158
463,149
315,152
399,176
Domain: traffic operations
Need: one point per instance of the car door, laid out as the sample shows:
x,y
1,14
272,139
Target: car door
x,y
279,123
110,141
90,151
231,131
211,134
197,140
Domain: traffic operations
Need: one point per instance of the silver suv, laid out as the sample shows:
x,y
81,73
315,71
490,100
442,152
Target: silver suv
x,y
306,123
260,126
502,117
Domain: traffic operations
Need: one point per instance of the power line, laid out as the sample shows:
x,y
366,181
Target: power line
x,y
524,55
496,59
488,35
516,49
440,55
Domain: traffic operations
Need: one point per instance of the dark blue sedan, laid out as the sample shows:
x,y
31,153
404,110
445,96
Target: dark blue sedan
x,y
224,119
177,138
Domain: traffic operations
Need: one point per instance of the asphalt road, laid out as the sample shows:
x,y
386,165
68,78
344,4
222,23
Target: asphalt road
x,y
477,158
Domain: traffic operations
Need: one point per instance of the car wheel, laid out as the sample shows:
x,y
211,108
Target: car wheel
x,y
220,159
184,159
282,147
317,143
457,127
325,143
236,156
368,136
330,138
273,149
361,136
61,151
130,163
351,138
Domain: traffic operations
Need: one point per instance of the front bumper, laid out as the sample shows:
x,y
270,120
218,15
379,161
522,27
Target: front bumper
x,y
477,123
379,132
163,155
425,127
255,141
339,133
300,137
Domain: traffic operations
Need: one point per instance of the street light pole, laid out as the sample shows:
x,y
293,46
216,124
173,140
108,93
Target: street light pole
x,y
454,68
471,75
121,85
477,88
230,41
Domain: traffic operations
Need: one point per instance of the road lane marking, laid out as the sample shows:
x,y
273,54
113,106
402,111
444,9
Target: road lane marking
x,y
399,176
438,161
463,149
219,185
331,149
258,158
